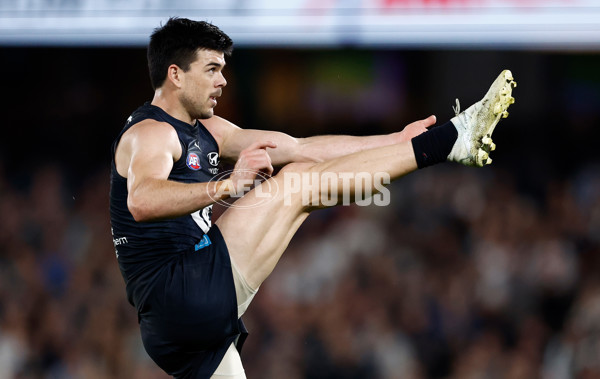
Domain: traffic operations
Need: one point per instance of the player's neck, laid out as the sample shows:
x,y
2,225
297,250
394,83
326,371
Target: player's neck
x,y
170,104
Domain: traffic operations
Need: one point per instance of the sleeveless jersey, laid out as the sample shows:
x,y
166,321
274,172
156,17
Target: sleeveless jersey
x,y
144,248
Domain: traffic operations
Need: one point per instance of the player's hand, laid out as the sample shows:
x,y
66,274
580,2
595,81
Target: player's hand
x,y
415,128
252,160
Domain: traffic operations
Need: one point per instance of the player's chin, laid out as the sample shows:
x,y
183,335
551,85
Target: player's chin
x,y
207,114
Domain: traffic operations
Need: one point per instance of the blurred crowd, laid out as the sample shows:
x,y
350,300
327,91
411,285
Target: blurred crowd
x,y
464,275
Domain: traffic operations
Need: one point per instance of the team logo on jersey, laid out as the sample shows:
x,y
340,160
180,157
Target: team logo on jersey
x,y
213,158
193,161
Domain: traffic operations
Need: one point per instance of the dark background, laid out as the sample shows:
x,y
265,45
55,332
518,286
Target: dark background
x,y
65,106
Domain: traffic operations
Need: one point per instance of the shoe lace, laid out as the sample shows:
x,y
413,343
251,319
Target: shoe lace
x,y
456,108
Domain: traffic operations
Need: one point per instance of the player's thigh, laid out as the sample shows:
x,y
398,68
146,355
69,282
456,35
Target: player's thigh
x,y
258,227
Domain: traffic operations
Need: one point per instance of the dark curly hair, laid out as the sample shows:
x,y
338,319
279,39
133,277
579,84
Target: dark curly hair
x,y
177,42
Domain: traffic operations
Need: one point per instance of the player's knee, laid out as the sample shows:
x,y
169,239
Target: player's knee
x,y
297,167
291,174
300,185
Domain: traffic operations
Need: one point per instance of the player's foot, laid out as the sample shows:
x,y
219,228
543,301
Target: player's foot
x,y
476,124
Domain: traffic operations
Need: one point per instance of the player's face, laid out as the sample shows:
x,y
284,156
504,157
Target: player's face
x,y
203,84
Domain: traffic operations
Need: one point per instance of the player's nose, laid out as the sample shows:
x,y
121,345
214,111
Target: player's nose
x,y
221,82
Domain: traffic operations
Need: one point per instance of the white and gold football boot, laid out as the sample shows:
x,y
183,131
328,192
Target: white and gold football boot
x,y
476,124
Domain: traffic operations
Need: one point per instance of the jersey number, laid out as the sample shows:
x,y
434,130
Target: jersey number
x,y
202,218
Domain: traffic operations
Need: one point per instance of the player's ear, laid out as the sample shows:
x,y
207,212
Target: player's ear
x,y
174,73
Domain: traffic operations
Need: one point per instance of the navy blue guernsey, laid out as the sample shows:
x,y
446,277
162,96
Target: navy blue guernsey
x,y
144,248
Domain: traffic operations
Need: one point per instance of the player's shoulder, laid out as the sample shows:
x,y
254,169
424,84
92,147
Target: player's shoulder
x,y
149,132
149,127
149,117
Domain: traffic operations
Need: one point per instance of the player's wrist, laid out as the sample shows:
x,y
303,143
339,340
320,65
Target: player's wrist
x,y
398,137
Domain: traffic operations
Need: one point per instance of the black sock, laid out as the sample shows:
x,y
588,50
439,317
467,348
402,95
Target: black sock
x,y
434,145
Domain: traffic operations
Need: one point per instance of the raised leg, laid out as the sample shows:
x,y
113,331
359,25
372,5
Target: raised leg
x,y
260,225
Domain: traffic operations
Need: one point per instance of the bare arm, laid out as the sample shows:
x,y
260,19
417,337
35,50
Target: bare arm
x,y
233,140
145,156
